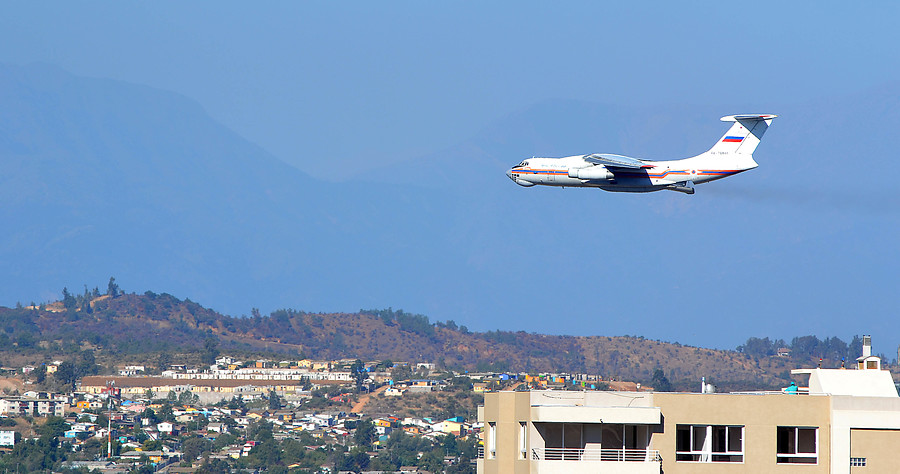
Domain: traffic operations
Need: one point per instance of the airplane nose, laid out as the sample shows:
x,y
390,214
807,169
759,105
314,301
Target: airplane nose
x,y
509,175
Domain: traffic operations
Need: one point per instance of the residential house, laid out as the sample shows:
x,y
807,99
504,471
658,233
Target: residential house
x,y
165,427
248,446
414,430
217,427
455,426
7,438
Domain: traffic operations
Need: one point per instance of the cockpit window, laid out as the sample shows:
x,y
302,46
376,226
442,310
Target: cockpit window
x,y
524,163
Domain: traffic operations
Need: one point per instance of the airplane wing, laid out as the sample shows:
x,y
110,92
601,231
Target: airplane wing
x,y
616,161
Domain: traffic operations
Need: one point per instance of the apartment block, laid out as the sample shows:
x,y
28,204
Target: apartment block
x,y
843,421
26,406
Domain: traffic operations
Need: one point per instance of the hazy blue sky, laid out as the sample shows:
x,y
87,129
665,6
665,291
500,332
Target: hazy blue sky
x,y
338,88
326,84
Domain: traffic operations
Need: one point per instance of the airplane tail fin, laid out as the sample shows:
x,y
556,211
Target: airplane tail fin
x,y
744,136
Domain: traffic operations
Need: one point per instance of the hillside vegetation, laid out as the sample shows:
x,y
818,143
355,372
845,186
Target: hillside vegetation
x,y
120,327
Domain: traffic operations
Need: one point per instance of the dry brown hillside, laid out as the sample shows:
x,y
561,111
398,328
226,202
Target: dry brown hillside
x,y
133,326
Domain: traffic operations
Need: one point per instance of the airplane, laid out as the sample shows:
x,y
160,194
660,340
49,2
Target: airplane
x,y
732,154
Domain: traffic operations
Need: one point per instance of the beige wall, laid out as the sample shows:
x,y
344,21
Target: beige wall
x,y
879,447
506,410
852,413
759,414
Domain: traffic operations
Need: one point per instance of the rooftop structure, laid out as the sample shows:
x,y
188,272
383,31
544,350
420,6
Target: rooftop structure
x,y
842,419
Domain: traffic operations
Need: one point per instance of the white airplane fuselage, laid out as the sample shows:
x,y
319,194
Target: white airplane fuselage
x,y
731,155
663,174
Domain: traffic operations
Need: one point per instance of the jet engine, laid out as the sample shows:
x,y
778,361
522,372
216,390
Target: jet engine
x,y
591,172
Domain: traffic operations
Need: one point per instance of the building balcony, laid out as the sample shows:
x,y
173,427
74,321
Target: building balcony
x,y
589,454
607,461
590,460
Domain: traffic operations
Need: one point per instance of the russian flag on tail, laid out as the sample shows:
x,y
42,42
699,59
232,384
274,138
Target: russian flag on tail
x,y
732,139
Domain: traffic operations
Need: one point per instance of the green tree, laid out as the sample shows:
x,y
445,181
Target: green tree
x,y
210,351
224,439
54,427
85,364
151,445
433,460
274,400
163,361
214,466
85,301
187,398
292,451
359,374
112,289
449,445
357,461
68,300
401,372
265,454
195,447
166,413
365,433
65,373
40,374
660,382
261,431
149,414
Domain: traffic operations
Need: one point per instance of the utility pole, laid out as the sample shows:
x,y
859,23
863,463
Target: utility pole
x,y
109,389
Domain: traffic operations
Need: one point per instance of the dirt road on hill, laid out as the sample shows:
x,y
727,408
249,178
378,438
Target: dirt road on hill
x,y
358,407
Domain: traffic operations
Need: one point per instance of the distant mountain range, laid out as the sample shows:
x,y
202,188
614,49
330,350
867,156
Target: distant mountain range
x,y
134,327
101,177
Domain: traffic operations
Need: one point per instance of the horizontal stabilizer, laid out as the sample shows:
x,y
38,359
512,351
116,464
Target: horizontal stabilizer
x,y
735,118
616,161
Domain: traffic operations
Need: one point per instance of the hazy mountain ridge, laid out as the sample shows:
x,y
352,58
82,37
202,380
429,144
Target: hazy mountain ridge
x,y
102,177
100,174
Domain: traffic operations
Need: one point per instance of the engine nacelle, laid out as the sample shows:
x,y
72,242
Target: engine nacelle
x,y
591,172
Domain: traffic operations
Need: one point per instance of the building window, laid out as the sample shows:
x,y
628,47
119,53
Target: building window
x,y
709,443
492,441
798,445
523,443
857,462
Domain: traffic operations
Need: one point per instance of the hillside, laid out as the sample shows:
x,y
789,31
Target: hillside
x,y
135,327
